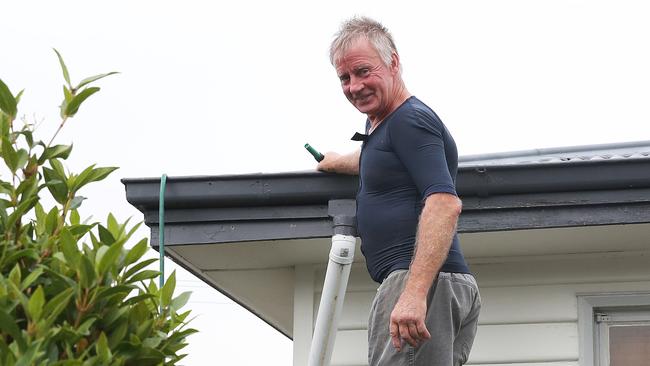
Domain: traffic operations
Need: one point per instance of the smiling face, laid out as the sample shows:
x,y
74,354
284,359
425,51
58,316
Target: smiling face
x,y
373,87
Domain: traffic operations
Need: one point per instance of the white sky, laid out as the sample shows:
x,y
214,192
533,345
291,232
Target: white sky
x,y
210,88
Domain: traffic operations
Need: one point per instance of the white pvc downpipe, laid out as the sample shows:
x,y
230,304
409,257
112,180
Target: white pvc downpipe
x,y
331,301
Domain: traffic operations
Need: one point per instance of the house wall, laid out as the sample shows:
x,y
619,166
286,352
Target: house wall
x,y
529,315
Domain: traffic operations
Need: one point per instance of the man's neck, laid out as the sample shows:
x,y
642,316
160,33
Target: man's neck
x,y
402,96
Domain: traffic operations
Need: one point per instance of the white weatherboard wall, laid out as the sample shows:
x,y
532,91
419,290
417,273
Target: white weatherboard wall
x,y
529,315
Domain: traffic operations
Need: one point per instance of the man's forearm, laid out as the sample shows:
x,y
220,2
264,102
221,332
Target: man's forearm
x,y
436,229
342,164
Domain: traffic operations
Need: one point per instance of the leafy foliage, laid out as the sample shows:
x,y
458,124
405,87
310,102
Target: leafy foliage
x,y
71,292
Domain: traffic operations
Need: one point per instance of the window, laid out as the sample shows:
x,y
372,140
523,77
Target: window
x,y
622,336
614,329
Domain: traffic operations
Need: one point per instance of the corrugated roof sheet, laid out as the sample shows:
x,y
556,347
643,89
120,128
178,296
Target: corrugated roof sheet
x,y
615,151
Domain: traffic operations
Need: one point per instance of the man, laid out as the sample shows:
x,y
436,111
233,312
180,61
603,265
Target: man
x,y
426,308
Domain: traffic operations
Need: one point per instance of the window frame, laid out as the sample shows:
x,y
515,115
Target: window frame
x,y
589,305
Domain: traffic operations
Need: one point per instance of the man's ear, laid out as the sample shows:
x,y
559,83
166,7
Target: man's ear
x,y
394,63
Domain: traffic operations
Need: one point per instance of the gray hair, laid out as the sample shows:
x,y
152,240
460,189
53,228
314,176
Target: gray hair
x,y
353,29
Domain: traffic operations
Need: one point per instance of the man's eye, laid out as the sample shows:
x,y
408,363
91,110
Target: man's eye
x,y
364,71
344,79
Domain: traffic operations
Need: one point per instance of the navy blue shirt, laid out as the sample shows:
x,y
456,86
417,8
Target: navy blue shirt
x,y
408,157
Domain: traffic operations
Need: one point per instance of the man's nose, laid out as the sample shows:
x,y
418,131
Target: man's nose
x,y
356,85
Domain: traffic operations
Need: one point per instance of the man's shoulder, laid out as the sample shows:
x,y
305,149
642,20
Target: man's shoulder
x,y
416,114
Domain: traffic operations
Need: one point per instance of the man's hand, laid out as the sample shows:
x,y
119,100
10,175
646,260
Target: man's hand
x,y
330,162
407,321
342,164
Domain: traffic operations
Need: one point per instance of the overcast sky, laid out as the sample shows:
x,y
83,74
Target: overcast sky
x,y
210,88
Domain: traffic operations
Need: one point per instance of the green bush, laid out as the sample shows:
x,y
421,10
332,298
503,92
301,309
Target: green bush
x,y
71,292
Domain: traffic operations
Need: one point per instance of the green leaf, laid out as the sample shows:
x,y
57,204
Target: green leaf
x,y
22,209
76,202
133,229
15,275
80,230
118,335
56,184
56,151
27,187
152,342
103,351
67,97
121,290
66,75
67,94
144,275
100,253
8,103
84,328
5,124
57,304
91,79
110,257
116,313
8,325
33,276
179,301
181,317
60,256
75,219
69,248
52,220
136,252
32,353
9,155
139,298
86,272
101,173
113,227
168,290
73,106
36,303
40,212
63,279
139,266
83,178
25,253
19,95
105,236
22,157
58,168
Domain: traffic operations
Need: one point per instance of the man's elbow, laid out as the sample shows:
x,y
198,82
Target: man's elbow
x,y
450,204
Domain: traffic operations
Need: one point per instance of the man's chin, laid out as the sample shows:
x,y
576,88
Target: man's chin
x,y
364,108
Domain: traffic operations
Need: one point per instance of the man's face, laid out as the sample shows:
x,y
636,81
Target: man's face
x,y
366,81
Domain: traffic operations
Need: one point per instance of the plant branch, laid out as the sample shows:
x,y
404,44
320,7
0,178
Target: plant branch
x,y
57,131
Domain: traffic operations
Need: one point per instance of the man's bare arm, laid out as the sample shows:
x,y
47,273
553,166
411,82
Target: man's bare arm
x,y
342,164
435,232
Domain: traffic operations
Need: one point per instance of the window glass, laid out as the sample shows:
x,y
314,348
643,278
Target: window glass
x,y
629,345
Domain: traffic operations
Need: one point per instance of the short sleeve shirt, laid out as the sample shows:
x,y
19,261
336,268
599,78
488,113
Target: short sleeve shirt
x,y
408,157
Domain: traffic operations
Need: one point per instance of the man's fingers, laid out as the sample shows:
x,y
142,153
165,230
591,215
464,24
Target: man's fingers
x,y
423,331
415,335
406,334
394,335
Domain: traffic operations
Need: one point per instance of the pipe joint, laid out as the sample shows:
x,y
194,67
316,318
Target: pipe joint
x,y
342,251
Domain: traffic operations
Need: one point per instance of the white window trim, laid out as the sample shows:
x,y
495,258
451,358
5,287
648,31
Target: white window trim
x,y
586,305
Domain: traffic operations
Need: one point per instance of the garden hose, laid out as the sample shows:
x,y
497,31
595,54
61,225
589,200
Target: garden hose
x,y
161,228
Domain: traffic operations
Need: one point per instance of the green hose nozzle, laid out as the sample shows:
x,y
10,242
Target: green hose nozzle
x,y
318,156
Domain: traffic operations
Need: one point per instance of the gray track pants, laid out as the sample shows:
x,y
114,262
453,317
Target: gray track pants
x,y
452,318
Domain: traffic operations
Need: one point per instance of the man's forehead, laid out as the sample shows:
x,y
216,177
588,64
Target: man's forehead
x,y
358,51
